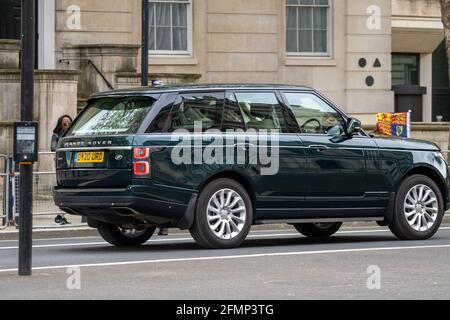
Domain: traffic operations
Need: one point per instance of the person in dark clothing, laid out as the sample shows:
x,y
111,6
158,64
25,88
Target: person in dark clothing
x,y
62,125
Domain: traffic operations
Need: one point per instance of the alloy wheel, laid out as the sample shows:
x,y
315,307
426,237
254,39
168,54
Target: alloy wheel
x,y
226,214
421,207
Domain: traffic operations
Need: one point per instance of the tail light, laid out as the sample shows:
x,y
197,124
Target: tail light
x,y
141,168
141,153
141,162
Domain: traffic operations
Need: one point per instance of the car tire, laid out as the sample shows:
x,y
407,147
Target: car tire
x,y
223,215
418,214
318,230
118,236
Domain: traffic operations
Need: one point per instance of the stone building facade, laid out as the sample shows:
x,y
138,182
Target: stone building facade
x,y
250,41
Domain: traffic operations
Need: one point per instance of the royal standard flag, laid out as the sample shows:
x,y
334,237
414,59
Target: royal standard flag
x,y
394,124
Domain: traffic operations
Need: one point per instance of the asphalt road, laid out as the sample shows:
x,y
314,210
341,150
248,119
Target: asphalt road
x,y
270,265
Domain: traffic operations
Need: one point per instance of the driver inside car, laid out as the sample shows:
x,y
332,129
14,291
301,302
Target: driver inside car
x,y
331,125
329,121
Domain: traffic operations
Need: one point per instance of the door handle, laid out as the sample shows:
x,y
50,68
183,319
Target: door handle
x,y
318,147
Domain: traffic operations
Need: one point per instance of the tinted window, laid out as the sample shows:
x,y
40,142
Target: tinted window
x,y
109,116
160,123
313,114
261,110
204,108
232,114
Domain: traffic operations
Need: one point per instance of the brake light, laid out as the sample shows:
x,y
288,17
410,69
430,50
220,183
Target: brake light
x,y
141,162
141,168
141,153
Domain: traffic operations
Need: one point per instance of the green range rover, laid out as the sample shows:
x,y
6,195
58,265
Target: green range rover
x,y
217,159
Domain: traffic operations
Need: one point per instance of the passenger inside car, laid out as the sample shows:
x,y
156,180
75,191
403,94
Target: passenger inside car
x,y
260,117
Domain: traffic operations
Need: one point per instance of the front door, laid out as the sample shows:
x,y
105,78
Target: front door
x,y
410,99
336,172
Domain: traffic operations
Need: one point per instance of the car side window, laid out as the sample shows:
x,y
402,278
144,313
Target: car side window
x,y
197,108
261,110
314,115
232,115
159,124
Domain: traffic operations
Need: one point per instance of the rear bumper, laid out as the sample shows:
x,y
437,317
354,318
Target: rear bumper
x,y
131,205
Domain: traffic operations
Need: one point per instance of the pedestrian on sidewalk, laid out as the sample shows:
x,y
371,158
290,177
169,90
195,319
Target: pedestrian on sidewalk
x,y
62,125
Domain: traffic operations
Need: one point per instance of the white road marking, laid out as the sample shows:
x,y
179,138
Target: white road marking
x,y
83,244
150,241
259,255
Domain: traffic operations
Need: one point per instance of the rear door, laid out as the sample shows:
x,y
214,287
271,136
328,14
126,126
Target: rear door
x,y
97,149
280,190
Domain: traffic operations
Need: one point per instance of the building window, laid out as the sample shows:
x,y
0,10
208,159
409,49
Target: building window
x,y
170,26
405,69
308,27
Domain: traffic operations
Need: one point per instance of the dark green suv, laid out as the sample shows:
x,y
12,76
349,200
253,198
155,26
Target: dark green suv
x,y
218,159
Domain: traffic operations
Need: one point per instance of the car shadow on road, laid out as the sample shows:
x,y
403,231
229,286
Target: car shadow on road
x,y
248,244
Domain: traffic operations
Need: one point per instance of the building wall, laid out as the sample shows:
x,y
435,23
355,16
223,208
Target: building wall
x,y
244,41
371,44
102,21
55,94
418,8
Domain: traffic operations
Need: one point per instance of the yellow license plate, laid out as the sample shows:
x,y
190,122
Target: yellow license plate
x,y
90,157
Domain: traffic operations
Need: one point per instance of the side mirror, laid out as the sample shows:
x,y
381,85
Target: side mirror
x,y
353,125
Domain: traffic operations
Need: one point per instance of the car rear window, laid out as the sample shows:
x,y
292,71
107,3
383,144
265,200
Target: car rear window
x,y
112,116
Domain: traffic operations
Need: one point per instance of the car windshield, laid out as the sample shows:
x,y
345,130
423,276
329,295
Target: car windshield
x,y
112,116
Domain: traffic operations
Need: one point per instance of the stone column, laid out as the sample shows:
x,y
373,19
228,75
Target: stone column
x,y
426,80
55,95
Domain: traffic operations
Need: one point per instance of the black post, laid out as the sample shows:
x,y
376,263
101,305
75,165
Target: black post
x,y
27,106
144,53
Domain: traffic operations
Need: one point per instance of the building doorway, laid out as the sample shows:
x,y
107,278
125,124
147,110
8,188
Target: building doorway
x,y
441,91
406,85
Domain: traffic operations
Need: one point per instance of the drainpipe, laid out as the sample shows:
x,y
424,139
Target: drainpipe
x,y
144,53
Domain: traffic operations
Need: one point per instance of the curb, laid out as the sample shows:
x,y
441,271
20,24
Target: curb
x,y
80,232
13,234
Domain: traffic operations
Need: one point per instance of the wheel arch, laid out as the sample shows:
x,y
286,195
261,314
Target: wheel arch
x,y
430,172
238,177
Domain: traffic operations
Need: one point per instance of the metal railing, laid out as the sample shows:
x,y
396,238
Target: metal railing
x,y
5,194
44,208
93,65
